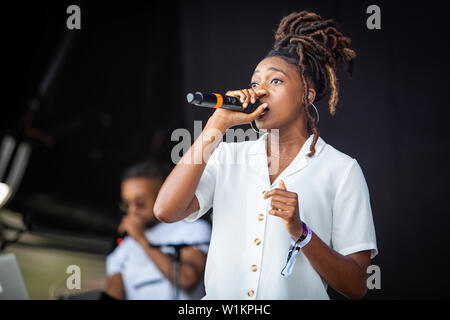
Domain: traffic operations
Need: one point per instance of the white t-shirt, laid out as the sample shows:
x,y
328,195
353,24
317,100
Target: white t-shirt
x,y
141,277
249,247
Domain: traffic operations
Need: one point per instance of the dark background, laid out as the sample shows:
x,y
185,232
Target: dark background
x,y
119,94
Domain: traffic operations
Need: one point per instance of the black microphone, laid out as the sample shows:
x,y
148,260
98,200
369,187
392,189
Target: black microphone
x,y
215,100
121,237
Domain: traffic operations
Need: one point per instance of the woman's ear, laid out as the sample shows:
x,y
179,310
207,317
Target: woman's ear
x,y
311,95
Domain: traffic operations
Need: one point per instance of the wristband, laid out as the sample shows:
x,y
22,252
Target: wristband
x,y
303,235
306,240
294,249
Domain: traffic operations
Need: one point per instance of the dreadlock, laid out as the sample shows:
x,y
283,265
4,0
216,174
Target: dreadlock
x,y
316,48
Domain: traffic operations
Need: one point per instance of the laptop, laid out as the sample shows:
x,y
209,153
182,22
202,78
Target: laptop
x,y
12,286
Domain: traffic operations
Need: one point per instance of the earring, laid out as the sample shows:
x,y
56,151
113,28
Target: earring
x,y
257,131
317,112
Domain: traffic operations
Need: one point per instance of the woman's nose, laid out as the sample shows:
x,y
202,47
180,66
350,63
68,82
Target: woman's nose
x,y
132,210
261,92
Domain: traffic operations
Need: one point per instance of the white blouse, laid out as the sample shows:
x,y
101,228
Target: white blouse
x,y
249,247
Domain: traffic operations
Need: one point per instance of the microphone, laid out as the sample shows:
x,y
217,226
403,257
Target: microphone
x,y
215,100
121,237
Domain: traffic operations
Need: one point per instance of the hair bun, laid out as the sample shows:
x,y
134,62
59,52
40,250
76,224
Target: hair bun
x,y
292,24
317,35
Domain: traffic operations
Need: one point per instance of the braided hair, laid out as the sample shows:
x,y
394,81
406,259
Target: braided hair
x,y
316,48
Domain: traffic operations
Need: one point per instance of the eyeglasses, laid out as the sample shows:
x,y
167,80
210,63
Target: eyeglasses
x,y
124,205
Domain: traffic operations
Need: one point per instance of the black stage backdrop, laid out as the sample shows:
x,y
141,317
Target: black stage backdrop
x,y
120,91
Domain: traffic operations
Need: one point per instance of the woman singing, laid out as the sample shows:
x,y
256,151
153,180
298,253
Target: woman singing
x,y
291,214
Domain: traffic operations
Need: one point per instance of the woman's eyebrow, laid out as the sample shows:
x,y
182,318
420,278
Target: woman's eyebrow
x,y
140,197
272,69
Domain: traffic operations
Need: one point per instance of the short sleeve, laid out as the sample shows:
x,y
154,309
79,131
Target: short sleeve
x,y
114,261
197,232
353,227
205,188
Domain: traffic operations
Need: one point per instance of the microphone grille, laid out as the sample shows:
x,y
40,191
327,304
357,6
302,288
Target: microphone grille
x,y
194,98
190,97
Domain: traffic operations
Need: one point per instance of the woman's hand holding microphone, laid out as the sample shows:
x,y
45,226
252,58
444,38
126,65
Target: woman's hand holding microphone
x,y
227,118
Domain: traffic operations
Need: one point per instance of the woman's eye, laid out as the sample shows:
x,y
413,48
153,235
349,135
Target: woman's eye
x,y
253,84
276,81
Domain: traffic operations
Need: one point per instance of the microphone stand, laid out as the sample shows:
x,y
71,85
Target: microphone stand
x,y
176,257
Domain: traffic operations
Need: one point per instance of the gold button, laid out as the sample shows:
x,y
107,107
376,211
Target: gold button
x,y
251,293
261,217
254,268
257,241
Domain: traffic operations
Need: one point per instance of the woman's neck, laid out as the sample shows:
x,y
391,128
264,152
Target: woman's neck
x,y
286,143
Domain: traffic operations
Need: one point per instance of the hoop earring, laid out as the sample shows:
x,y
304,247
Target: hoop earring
x,y
257,131
317,112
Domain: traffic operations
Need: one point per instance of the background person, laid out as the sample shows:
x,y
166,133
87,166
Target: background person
x,y
135,269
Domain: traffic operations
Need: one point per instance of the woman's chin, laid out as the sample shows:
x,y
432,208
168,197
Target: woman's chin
x,y
264,125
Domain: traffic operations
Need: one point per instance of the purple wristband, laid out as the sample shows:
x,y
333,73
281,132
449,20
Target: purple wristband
x,y
303,235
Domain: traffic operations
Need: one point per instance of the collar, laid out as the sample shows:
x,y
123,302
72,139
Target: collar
x,y
258,154
260,145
